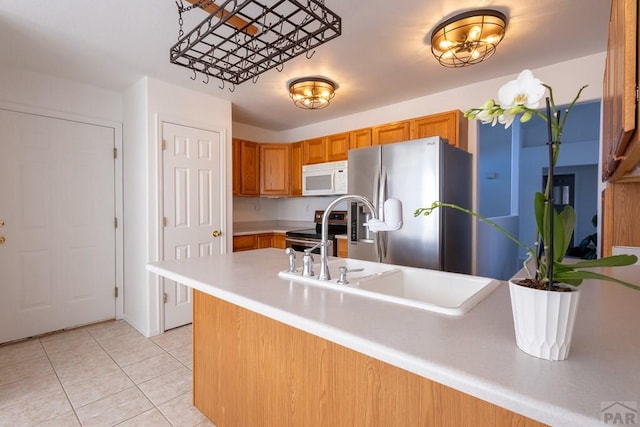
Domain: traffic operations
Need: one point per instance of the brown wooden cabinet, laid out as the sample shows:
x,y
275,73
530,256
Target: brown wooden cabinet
x,y
264,241
246,168
314,151
392,132
279,241
621,144
621,139
249,242
360,138
296,169
343,248
451,125
245,243
338,146
274,169
237,166
252,370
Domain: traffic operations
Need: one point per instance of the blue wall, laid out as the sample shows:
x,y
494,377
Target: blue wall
x,y
494,171
578,155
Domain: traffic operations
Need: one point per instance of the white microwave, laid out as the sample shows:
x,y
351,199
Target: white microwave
x,y
324,179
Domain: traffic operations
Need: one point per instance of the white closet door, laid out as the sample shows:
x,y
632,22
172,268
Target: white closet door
x,y
57,202
192,207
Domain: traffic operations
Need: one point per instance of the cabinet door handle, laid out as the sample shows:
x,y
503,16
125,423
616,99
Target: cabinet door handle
x,y
216,233
1,223
2,240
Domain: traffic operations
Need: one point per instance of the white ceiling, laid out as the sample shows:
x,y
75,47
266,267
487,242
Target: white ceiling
x,y
382,57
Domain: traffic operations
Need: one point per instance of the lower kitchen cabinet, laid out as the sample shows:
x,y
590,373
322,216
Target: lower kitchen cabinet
x,y
293,378
279,241
249,242
343,248
245,243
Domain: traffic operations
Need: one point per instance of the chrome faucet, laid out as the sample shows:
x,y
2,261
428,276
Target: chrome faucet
x,y
324,261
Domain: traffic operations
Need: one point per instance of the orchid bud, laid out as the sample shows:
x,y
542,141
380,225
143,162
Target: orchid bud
x,y
526,116
489,103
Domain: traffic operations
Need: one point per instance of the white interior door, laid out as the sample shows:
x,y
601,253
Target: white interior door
x,y
57,203
192,167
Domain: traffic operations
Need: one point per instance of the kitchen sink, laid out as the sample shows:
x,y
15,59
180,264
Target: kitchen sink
x,y
437,291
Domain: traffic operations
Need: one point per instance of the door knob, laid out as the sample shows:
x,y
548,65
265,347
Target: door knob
x,y
216,233
2,240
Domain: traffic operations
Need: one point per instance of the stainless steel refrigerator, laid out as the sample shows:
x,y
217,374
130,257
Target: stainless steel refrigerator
x,y
418,173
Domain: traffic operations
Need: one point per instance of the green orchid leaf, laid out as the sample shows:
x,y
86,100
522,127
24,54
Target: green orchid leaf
x,y
538,203
559,241
568,219
572,275
610,261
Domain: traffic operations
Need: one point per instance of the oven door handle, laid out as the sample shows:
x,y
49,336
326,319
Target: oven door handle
x,y
306,242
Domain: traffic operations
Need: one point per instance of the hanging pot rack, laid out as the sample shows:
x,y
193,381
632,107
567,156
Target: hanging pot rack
x,y
241,39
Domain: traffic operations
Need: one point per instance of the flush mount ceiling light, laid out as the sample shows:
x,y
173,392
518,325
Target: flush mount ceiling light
x,y
468,38
312,93
241,39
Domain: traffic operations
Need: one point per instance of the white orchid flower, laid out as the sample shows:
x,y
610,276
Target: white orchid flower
x,y
486,117
526,90
506,118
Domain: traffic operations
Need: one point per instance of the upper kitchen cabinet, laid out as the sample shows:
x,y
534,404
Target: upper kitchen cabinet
x,y
246,168
338,146
451,125
274,169
296,169
621,146
391,132
360,138
236,165
314,151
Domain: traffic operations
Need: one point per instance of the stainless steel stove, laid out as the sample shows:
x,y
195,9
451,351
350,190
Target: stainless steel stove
x,y
299,240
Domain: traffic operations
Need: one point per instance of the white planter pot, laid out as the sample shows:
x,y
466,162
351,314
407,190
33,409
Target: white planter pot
x,y
544,320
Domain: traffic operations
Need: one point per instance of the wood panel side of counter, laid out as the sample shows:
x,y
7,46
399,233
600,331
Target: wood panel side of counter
x,y
252,370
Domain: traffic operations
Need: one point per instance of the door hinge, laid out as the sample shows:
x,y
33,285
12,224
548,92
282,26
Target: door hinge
x,y
116,291
164,144
164,298
637,94
115,222
164,221
115,153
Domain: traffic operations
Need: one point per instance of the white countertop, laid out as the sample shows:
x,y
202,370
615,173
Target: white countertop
x,y
257,227
475,353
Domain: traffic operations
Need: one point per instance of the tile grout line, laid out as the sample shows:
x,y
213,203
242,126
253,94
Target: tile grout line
x,y
131,379
50,350
64,390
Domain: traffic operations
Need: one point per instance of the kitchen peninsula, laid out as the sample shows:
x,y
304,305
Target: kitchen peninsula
x,y
273,352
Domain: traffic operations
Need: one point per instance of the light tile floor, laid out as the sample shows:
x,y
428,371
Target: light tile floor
x,y
106,374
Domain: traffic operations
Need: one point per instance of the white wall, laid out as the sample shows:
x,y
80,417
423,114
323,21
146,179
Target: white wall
x,y
147,104
41,91
136,213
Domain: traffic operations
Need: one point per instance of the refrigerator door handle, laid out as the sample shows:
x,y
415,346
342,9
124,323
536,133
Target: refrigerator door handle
x,y
382,191
374,236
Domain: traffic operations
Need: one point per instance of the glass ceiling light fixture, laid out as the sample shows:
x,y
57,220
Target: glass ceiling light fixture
x,y
468,38
312,93
241,39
